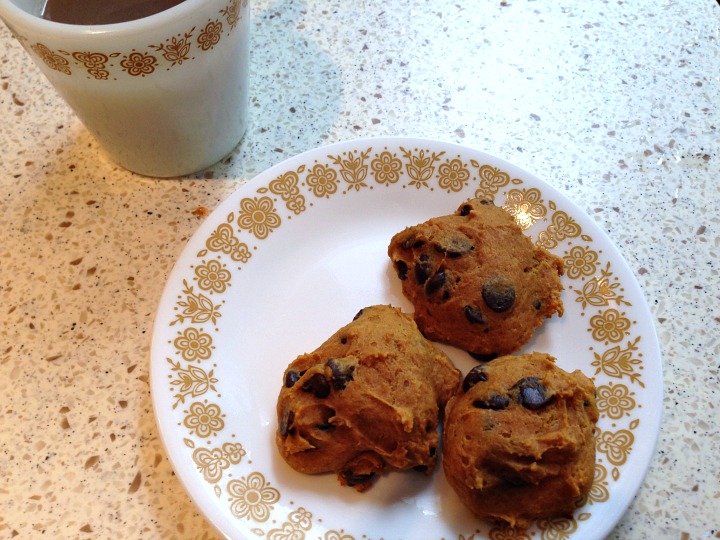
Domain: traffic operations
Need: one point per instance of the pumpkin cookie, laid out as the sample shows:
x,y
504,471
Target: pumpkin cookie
x,y
518,439
366,401
475,280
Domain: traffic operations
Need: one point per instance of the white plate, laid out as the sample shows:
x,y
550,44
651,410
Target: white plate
x,y
292,256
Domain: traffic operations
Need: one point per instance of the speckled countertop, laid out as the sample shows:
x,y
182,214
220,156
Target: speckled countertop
x,y
614,103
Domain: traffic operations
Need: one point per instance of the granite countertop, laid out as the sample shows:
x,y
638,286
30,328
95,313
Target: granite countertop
x,y
613,103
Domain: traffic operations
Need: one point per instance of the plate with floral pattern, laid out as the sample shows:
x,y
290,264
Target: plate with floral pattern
x,y
292,255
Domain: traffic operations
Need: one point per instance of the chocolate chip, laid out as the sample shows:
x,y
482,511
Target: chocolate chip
x,y
474,376
358,314
291,377
531,393
487,202
327,414
423,269
344,340
454,247
474,315
317,385
402,269
465,210
499,293
286,422
495,403
340,374
483,357
435,282
353,479
537,304
420,468
412,242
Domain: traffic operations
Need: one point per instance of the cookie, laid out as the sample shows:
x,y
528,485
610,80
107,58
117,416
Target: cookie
x,y
518,439
476,281
366,401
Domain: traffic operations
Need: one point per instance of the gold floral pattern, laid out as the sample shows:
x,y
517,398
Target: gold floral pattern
x,y
420,166
210,35
223,240
561,528
386,167
139,64
194,345
614,354
258,215
601,291
212,462
204,419
615,401
453,175
198,308
252,497
491,180
599,491
288,187
337,535
322,181
616,445
52,59
232,13
561,228
353,168
609,326
508,533
175,50
213,277
580,262
191,381
619,362
526,206
294,529
95,63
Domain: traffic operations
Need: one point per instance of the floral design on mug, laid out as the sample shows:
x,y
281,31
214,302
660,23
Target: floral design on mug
x,y
174,50
52,59
95,63
232,13
139,64
210,35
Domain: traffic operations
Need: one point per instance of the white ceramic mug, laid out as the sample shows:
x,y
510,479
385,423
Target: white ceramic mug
x,y
165,95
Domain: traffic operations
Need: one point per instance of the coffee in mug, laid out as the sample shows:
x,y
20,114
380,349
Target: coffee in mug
x,y
103,11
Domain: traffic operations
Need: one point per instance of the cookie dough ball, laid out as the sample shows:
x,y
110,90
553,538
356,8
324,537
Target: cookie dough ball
x,y
366,401
476,281
518,439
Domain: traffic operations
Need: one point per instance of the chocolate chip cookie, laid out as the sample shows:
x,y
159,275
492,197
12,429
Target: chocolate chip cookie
x,y
366,401
475,280
518,439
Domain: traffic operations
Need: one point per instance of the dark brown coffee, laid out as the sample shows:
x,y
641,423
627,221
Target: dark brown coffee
x,y
103,11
